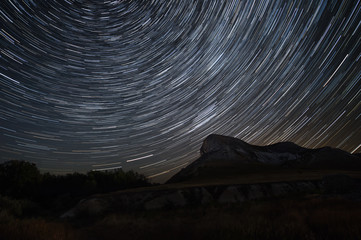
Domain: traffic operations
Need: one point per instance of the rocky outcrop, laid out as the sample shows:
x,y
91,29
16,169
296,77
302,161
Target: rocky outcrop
x,y
192,196
218,146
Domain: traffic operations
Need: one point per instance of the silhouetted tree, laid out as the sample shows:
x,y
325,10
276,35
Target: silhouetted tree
x,y
19,178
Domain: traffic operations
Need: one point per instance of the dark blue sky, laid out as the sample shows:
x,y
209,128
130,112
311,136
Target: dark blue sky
x,y
139,84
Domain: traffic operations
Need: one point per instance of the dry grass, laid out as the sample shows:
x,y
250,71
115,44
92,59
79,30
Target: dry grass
x,y
277,219
37,229
289,218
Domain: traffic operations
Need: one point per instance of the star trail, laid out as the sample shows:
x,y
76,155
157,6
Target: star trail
x,y
135,84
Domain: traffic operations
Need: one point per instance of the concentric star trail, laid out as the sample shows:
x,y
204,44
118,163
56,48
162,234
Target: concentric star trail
x,y
88,84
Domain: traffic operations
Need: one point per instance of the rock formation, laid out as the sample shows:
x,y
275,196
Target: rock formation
x,y
222,153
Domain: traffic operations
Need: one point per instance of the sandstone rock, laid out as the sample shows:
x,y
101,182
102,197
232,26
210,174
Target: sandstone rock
x,y
231,195
88,207
255,192
175,199
191,196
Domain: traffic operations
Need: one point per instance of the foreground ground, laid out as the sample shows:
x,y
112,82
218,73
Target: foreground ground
x,y
313,216
298,217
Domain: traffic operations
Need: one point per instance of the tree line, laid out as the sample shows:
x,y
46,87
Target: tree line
x,y
23,180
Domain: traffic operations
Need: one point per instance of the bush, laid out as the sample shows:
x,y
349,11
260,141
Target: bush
x,y
10,207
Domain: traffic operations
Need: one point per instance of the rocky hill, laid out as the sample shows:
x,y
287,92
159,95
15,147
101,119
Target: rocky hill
x,y
224,156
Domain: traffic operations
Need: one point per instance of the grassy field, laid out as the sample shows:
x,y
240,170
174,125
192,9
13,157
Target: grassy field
x,y
307,217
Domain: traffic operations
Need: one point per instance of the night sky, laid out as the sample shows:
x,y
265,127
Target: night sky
x,y
91,84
